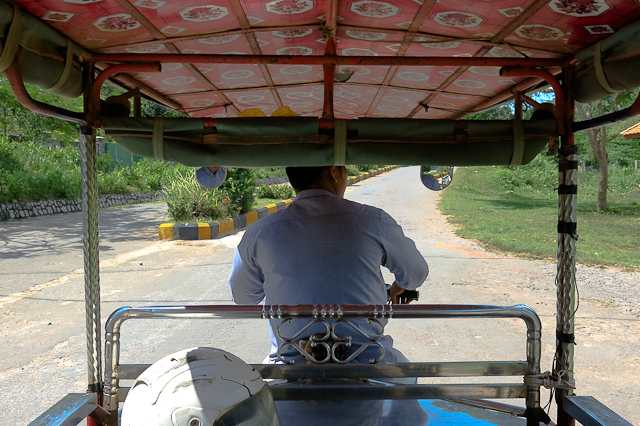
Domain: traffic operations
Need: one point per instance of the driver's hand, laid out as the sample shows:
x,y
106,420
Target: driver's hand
x,y
395,294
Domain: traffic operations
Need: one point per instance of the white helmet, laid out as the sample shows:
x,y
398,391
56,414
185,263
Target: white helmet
x,y
200,387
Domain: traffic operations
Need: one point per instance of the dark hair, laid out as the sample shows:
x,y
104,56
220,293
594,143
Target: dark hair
x,y
302,178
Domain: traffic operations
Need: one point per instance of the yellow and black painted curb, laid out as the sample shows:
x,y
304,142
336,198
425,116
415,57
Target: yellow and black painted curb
x,y
367,175
205,231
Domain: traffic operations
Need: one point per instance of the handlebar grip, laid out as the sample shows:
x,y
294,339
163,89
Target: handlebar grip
x,y
411,294
407,294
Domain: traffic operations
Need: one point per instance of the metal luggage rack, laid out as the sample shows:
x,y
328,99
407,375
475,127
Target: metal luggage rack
x,y
319,369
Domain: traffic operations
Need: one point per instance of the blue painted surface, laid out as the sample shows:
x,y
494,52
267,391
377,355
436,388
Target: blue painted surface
x,y
389,413
448,413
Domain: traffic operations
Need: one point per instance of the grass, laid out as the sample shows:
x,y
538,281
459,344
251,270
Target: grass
x,y
268,172
262,202
522,220
257,203
32,172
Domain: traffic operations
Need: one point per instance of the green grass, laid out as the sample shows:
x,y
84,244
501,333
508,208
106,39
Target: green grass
x,y
269,172
522,220
262,202
32,172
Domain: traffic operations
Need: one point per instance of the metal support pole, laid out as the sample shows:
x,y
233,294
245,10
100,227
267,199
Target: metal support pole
x,y
518,107
91,257
329,71
566,270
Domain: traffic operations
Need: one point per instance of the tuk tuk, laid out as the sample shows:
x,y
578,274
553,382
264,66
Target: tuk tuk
x,y
365,82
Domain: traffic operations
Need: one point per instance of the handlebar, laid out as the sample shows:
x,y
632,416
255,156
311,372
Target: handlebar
x,y
404,296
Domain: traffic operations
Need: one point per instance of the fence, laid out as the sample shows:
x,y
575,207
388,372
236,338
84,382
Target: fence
x,y
121,156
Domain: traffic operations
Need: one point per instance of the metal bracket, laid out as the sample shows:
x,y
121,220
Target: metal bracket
x,y
71,410
591,412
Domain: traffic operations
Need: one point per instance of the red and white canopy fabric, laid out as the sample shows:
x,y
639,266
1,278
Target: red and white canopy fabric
x,y
393,28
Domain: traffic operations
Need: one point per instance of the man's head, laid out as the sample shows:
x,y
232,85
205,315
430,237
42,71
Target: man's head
x,y
332,178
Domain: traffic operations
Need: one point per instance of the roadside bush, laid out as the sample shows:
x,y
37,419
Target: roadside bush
x,y
31,172
188,201
105,164
361,168
622,181
275,191
367,167
353,170
269,172
541,174
239,187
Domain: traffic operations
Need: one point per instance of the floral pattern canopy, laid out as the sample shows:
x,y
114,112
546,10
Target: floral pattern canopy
x,y
423,28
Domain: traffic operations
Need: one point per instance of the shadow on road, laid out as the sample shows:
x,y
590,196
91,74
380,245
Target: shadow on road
x,y
63,233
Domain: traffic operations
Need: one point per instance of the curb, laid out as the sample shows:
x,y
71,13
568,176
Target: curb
x,y
206,231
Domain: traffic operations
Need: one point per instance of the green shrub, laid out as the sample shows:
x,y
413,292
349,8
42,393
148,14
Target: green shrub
x,y
275,192
239,187
269,172
105,164
31,172
541,174
188,201
367,167
353,170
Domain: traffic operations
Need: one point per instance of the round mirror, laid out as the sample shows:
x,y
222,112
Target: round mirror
x,y
436,178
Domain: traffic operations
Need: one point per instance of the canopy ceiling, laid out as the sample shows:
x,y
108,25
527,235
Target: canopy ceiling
x,y
480,28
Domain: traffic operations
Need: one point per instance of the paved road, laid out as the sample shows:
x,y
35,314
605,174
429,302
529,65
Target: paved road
x,y
42,311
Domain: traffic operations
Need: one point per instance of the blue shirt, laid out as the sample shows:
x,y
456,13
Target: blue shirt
x,y
324,249
211,180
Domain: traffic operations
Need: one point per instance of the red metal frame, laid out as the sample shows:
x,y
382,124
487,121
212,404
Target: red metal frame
x,y
561,112
17,85
610,118
329,71
112,70
330,60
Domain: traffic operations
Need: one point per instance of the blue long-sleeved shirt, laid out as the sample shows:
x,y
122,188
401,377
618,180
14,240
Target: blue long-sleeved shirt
x,y
324,249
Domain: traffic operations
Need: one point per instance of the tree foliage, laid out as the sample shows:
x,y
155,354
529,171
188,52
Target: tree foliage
x,y
597,147
600,139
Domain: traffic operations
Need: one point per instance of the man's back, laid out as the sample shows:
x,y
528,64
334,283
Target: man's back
x,y
324,250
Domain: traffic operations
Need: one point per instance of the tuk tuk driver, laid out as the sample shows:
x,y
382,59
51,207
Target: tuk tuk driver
x,y
324,249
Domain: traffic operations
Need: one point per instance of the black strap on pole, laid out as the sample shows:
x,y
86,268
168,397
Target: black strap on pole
x,y
564,165
567,227
565,337
567,189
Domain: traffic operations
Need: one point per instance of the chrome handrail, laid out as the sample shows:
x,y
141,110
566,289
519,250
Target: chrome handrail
x,y
115,321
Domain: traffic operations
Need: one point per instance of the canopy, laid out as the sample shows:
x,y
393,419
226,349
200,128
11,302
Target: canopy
x,y
66,32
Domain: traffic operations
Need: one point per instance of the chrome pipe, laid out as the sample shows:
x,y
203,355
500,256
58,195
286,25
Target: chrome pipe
x,y
91,257
343,391
115,321
369,371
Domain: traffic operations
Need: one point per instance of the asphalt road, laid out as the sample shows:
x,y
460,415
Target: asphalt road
x,y
42,357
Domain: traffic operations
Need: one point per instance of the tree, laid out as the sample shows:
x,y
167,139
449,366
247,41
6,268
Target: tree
x,y
598,138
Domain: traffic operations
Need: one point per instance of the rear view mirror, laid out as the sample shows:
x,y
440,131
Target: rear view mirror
x,y
436,178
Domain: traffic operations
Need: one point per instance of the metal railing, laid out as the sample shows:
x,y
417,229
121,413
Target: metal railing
x,y
114,371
